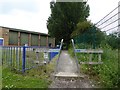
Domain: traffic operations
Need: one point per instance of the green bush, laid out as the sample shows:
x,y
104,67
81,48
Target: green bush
x,y
107,73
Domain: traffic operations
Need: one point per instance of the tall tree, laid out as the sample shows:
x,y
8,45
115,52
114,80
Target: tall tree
x,y
113,40
87,33
64,17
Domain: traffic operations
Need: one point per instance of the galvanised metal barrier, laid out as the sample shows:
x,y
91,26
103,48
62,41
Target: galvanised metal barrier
x,y
22,58
56,69
77,63
12,57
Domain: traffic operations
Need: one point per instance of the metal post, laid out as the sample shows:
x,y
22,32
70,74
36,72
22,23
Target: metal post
x,y
23,60
6,52
99,57
90,58
118,43
59,55
16,57
75,55
11,58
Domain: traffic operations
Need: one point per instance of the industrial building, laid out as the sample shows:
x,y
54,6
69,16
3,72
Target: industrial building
x,y
18,37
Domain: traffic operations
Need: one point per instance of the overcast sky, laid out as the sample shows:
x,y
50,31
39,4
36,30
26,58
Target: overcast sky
x,y
32,15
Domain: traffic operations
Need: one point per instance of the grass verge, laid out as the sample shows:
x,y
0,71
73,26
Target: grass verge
x,y
35,78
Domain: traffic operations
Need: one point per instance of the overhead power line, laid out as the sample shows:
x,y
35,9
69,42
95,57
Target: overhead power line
x,y
111,28
110,23
108,19
107,14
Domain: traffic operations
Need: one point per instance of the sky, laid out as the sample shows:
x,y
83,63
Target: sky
x,y
100,8
32,15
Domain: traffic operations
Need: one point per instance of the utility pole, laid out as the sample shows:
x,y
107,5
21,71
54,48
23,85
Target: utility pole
x,y
118,44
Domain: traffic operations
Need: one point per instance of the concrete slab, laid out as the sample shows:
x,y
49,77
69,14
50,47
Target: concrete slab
x,y
66,63
67,74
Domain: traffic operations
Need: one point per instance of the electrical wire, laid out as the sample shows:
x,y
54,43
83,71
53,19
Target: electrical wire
x,y
108,19
110,23
99,24
111,28
108,14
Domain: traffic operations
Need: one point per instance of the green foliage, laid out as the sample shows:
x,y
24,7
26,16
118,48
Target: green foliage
x,y
89,39
35,78
65,17
113,40
105,74
71,51
0,76
81,28
88,34
12,80
108,72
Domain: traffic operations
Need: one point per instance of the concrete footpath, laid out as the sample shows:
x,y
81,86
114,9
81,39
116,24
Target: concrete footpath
x,y
67,66
67,75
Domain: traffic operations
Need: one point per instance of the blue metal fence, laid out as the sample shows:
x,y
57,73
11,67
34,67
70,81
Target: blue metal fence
x,y
23,58
12,56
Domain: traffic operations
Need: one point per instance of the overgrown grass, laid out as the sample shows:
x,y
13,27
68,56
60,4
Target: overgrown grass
x,y
35,78
11,80
0,75
105,74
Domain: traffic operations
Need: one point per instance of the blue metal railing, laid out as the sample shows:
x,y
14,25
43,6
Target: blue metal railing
x,y
12,56
23,58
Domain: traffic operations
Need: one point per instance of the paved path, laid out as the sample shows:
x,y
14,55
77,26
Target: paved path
x,y
66,66
67,75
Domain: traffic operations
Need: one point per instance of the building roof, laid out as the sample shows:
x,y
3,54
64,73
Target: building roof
x,y
21,30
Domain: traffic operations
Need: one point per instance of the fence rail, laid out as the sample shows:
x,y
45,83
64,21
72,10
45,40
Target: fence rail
x,y
22,58
91,52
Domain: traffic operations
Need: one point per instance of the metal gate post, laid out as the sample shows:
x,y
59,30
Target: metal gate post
x,y
23,59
